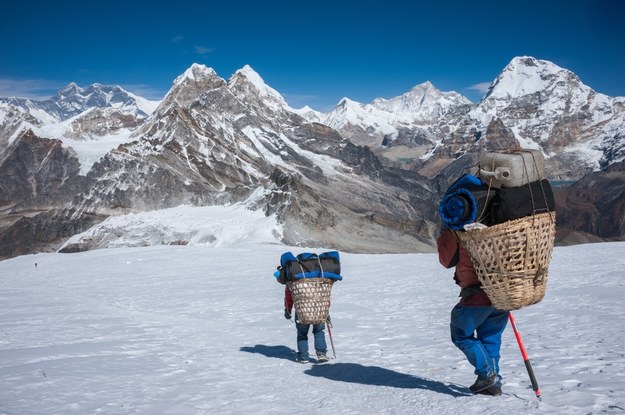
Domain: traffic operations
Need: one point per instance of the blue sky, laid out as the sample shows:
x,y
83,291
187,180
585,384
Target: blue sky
x,y
312,52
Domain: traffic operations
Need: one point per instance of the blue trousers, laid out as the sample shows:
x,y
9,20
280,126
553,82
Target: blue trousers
x,y
477,332
302,339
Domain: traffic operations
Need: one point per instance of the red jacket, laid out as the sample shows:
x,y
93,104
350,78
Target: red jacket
x,y
452,253
288,298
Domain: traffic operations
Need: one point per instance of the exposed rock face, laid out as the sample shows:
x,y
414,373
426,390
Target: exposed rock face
x,y
594,206
44,232
613,149
100,122
36,175
12,121
498,137
37,172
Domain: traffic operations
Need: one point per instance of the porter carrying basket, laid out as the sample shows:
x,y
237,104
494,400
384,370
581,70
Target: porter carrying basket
x,y
311,298
511,259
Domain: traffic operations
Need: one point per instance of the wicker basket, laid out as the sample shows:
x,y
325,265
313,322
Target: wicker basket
x,y
512,259
311,298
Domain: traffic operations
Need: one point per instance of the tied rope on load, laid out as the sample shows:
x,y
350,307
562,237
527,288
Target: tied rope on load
x,y
511,259
511,240
465,202
310,278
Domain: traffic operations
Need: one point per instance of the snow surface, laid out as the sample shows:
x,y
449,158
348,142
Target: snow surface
x,y
144,104
213,226
308,113
199,330
88,151
349,112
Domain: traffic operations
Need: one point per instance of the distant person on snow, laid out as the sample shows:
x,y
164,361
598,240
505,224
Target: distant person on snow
x,y
476,326
302,333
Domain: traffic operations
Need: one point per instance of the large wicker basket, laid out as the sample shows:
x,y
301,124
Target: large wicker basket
x,y
311,298
512,259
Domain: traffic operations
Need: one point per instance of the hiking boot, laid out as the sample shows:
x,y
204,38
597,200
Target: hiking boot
x,y
301,360
494,390
483,383
322,358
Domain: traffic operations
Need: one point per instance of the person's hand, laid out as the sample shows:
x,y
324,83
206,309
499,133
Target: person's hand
x,y
287,314
329,321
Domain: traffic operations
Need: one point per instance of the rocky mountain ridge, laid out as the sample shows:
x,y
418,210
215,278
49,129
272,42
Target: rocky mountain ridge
x,y
404,127
532,104
75,113
73,100
213,141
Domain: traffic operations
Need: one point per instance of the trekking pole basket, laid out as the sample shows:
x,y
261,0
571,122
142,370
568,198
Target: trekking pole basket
x,y
511,259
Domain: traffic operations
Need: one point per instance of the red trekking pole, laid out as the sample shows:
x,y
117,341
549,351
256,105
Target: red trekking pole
x,y
526,359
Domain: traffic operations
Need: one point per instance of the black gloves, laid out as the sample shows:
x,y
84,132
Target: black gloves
x,y
287,314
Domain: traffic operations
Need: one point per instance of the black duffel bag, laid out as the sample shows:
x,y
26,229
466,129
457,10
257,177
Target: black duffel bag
x,y
512,203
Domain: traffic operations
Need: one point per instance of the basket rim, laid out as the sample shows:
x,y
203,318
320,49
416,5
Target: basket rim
x,y
517,276
508,224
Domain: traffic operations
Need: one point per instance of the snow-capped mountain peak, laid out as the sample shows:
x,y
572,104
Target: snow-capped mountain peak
x,y
422,103
71,89
542,105
255,79
526,75
423,107
349,112
422,89
249,76
309,114
187,87
195,72
74,100
346,102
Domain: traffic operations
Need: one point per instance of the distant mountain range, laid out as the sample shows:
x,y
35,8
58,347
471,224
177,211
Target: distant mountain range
x,y
532,104
362,178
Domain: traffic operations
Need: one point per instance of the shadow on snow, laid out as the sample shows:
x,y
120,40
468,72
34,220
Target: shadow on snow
x,y
377,376
365,375
278,352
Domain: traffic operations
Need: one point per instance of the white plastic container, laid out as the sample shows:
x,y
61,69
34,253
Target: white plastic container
x,y
512,169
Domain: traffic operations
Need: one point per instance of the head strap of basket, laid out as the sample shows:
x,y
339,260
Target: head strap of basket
x,y
311,297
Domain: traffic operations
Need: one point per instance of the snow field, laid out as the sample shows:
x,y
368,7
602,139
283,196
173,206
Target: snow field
x,y
200,330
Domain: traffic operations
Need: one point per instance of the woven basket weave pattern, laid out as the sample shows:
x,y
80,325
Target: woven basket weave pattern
x,y
311,298
511,259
